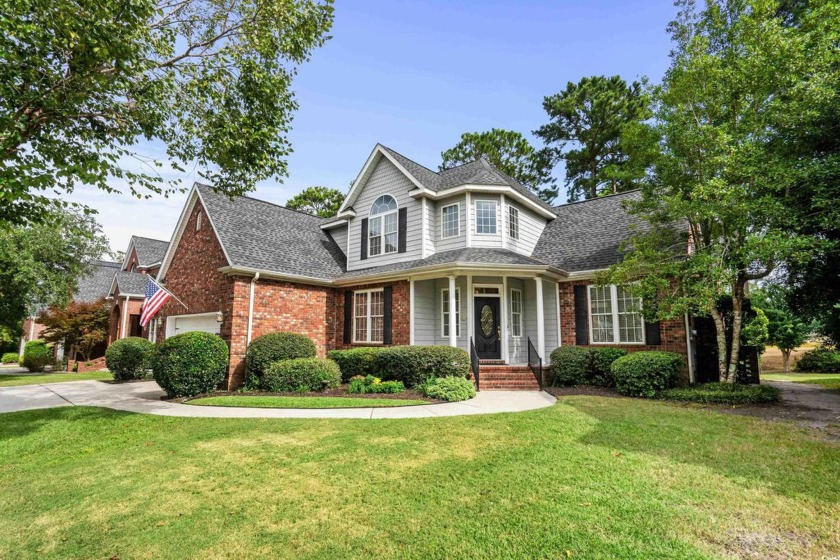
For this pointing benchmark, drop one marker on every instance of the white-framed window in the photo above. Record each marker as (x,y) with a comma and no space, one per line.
(368,316)
(450,221)
(513,222)
(615,316)
(382,226)
(516,312)
(485,217)
(153,326)
(444,308)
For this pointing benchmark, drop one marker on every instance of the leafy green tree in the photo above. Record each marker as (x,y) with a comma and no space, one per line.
(586,123)
(79,325)
(318,201)
(40,264)
(82,81)
(719,203)
(785,330)
(509,151)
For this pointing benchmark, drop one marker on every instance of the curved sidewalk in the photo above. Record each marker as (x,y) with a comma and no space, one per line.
(144,397)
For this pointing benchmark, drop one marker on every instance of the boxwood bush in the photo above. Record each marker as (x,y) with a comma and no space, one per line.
(371,384)
(10,358)
(190,364)
(644,374)
(415,364)
(36,355)
(355,361)
(129,358)
(724,393)
(570,365)
(450,389)
(819,360)
(274,347)
(301,375)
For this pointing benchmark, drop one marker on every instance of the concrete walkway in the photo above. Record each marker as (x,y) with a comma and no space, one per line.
(144,397)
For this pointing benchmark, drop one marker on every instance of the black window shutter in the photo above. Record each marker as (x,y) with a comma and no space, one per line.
(581,316)
(652,334)
(364,238)
(348,315)
(403,228)
(387,319)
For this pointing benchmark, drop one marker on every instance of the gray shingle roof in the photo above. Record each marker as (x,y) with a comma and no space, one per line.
(149,251)
(133,283)
(471,255)
(265,236)
(587,235)
(97,282)
(480,172)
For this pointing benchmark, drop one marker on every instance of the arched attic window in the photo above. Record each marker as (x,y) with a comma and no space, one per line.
(383,227)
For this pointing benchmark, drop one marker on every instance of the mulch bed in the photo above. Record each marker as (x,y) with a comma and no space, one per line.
(340,391)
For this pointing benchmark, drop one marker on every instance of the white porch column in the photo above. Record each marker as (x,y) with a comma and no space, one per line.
(125,319)
(411,304)
(468,219)
(470,309)
(540,318)
(453,314)
(504,312)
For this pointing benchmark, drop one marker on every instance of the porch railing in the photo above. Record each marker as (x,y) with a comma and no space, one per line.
(535,363)
(474,364)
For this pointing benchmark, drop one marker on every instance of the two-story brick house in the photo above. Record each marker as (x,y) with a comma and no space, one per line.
(463,257)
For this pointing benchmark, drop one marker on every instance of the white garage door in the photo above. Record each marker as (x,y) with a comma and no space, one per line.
(206,322)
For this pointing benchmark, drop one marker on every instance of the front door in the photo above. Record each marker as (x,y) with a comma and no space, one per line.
(487,328)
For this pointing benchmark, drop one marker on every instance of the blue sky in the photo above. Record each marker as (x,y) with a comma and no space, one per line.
(414,75)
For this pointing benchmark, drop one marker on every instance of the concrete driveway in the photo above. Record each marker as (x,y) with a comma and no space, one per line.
(145,397)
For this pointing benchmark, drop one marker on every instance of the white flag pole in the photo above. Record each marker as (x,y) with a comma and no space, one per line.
(168,292)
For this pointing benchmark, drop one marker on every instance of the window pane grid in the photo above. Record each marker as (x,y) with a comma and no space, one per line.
(485,217)
(444,301)
(513,220)
(382,226)
(450,221)
(615,315)
(360,316)
(630,324)
(516,312)
(600,300)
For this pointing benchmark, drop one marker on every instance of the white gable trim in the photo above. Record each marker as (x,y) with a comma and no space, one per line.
(127,253)
(195,195)
(362,179)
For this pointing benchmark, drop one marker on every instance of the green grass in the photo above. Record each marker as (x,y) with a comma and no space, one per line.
(827,380)
(723,393)
(301,402)
(11,380)
(597,477)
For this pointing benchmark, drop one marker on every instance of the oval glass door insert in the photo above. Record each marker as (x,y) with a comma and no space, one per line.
(487,320)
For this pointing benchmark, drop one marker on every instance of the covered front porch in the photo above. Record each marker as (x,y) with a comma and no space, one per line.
(498,311)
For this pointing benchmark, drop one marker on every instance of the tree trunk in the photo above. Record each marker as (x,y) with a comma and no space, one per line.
(720,331)
(786,360)
(737,319)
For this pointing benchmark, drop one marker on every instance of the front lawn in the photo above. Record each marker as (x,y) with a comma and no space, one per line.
(590,477)
(301,402)
(13,380)
(827,380)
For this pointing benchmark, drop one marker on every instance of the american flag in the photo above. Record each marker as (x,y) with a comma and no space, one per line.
(155,298)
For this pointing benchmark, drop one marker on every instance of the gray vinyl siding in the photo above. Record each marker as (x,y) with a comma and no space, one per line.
(531,227)
(486,240)
(449,243)
(430,226)
(339,235)
(386,179)
(425,327)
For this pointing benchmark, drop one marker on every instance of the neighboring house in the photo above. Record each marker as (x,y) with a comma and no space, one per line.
(413,257)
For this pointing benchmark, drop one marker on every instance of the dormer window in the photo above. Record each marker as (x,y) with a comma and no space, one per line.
(382,230)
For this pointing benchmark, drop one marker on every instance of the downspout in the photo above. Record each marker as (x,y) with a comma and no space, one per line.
(125,318)
(251,308)
(690,347)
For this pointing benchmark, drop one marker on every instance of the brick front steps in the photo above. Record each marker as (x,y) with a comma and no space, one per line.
(494,377)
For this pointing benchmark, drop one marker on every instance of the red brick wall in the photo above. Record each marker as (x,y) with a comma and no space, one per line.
(132,260)
(401,308)
(672,332)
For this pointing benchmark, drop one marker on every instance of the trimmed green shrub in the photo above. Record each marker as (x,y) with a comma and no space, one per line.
(301,375)
(570,365)
(724,393)
(129,358)
(819,360)
(371,384)
(190,364)
(644,374)
(274,347)
(10,358)
(355,361)
(600,372)
(414,364)
(450,389)
(36,355)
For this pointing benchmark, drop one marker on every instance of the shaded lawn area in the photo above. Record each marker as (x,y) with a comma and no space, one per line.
(12,380)
(827,380)
(301,402)
(590,477)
